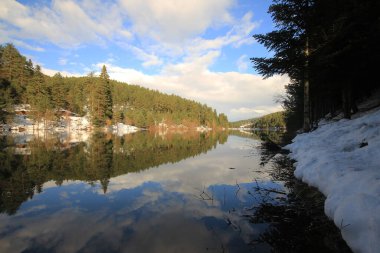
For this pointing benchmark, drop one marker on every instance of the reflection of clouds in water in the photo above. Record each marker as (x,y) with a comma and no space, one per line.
(155,210)
(53,184)
(62,231)
(155,221)
(148,197)
(195,173)
(243,143)
(164,234)
(64,195)
(31,210)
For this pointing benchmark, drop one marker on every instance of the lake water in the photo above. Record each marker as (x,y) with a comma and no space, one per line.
(144,192)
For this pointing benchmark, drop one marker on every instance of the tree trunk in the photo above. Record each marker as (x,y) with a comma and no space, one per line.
(347,101)
(306,91)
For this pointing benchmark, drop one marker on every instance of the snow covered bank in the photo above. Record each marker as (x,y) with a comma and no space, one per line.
(342,159)
(76,123)
(121,129)
(72,125)
(203,129)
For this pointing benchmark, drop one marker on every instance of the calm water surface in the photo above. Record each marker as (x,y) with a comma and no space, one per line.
(136,193)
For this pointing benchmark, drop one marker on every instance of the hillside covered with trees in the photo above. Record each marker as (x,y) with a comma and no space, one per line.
(329,50)
(106,101)
(272,120)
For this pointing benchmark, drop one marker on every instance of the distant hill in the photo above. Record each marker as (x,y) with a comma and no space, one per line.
(105,101)
(275,119)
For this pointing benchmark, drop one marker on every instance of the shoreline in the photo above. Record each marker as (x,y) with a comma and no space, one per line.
(342,160)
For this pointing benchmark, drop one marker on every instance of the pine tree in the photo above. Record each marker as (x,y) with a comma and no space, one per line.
(106,86)
(58,92)
(6,99)
(38,94)
(101,99)
(291,46)
(329,49)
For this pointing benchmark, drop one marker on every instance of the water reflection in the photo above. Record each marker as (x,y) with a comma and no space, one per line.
(137,193)
(27,163)
(144,192)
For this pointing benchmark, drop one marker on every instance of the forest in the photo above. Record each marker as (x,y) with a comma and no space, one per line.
(106,101)
(272,120)
(329,49)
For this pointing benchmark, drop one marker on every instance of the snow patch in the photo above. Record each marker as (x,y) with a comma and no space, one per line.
(121,129)
(74,126)
(76,123)
(203,129)
(342,159)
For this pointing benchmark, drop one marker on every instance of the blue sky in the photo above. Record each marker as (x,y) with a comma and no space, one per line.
(197,49)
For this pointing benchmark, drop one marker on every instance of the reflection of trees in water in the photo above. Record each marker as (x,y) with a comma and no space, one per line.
(297,221)
(270,142)
(103,157)
(260,135)
(99,159)
(296,218)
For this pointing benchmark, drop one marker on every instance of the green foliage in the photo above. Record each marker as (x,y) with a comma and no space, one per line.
(269,121)
(105,100)
(100,105)
(147,108)
(6,99)
(331,45)
(272,120)
(58,90)
(15,73)
(16,70)
(38,92)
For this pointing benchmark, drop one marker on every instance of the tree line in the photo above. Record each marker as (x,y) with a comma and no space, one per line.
(329,49)
(272,120)
(106,101)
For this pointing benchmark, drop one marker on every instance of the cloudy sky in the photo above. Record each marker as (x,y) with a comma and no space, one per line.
(197,49)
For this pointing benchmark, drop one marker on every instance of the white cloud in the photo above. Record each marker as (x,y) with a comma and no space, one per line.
(238,35)
(242,63)
(224,91)
(70,23)
(168,34)
(175,21)
(64,23)
(244,28)
(196,49)
(62,61)
(148,59)
(52,72)
(24,45)
(168,29)
(256,111)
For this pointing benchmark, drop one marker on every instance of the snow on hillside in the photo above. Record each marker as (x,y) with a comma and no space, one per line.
(72,125)
(77,123)
(342,159)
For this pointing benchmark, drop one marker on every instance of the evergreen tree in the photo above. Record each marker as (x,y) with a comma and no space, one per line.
(15,70)
(329,50)
(101,99)
(291,46)
(6,99)
(38,93)
(223,120)
(58,92)
(106,86)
